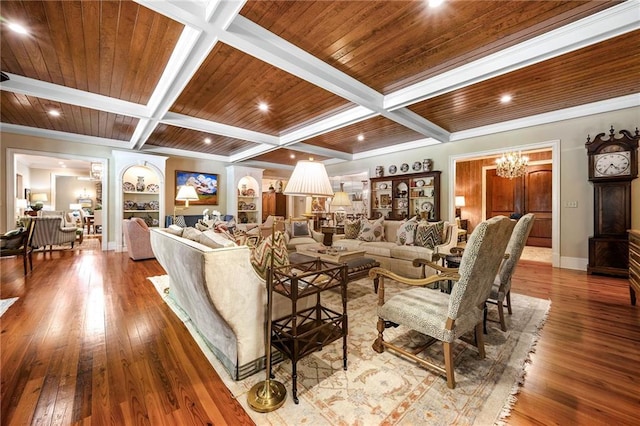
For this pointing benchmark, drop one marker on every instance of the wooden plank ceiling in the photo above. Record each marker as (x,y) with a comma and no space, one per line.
(160,77)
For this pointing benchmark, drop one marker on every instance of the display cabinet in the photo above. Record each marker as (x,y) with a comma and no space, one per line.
(141,195)
(244,197)
(399,197)
(308,330)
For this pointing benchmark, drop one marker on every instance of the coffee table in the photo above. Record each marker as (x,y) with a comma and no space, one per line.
(330,254)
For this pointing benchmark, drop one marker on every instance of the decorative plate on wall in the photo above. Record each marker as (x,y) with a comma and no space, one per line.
(128,186)
(393,169)
(250,192)
(129,205)
(419,183)
(152,187)
(404,167)
(417,166)
(383,186)
(427,206)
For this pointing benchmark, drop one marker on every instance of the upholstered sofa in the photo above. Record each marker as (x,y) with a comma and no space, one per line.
(224,297)
(399,258)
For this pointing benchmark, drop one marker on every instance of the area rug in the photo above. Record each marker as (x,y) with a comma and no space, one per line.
(5,304)
(385,389)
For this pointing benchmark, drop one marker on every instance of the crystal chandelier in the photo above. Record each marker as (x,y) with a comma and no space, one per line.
(511,165)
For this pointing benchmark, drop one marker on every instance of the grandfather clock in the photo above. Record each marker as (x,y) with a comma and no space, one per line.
(613,164)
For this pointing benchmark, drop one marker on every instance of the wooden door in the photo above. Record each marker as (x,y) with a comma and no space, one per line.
(528,194)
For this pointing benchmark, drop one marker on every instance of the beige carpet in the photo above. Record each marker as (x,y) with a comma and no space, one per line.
(386,389)
(6,303)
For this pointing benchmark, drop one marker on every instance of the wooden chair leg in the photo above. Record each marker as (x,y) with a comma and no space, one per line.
(480,340)
(377,344)
(448,364)
(503,325)
(509,302)
(24,262)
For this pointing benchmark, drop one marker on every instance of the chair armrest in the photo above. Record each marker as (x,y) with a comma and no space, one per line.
(378,275)
(318,236)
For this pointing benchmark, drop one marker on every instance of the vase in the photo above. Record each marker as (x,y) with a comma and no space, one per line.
(140,184)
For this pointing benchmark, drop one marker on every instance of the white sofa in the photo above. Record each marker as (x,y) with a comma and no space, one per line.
(225,299)
(399,258)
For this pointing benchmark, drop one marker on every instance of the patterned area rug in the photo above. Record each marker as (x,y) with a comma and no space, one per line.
(387,389)
(5,304)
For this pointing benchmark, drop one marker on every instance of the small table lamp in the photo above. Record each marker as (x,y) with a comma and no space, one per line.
(459,202)
(341,200)
(186,193)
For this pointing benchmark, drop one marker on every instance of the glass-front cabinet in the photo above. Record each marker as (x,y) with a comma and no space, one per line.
(400,197)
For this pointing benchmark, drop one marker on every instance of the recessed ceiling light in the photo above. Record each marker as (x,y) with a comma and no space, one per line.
(360,138)
(435,3)
(64,166)
(54,113)
(263,106)
(292,156)
(18,28)
(505,99)
(207,140)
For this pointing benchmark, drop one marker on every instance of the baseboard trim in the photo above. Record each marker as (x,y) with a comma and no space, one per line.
(577,263)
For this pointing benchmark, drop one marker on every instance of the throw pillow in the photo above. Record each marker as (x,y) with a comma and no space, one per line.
(429,234)
(175,230)
(180,222)
(407,232)
(191,234)
(244,238)
(371,231)
(267,249)
(14,243)
(351,229)
(298,228)
(214,239)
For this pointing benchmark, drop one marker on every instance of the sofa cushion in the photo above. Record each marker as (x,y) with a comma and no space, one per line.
(351,228)
(407,232)
(378,248)
(294,242)
(429,234)
(214,239)
(371,231)
(349,244)
(411,252)
(261,255)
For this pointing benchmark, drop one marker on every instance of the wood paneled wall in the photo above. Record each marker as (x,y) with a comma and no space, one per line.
(469,184)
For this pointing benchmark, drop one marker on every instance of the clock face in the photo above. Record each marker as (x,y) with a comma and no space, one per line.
(612,164)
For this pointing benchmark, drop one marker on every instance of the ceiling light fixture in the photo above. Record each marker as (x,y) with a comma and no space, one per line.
(435,3)
(18,28)
(207,140)
(360,138)
(512,165)
(54,113)
(505,99)
(262,106)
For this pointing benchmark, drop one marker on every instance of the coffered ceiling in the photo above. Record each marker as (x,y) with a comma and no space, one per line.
(338,80)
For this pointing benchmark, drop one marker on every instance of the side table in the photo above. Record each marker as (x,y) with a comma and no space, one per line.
(308,330)
(328,232)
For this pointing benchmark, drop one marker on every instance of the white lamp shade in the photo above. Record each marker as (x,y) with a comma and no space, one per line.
(39,197)
(187,193)
(460,201)
(309,178)
(341,199)
(76,206)
(21,203)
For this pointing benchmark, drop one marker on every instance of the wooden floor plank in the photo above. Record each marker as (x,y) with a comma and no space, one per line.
(90,341)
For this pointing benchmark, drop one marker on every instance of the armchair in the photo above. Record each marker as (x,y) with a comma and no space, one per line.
(501,288)
(137,238)
(17,244)
(446,317)
(52,230)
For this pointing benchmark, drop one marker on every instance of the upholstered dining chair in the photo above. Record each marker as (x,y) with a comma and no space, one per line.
(18,244)
(501,289)
(439,315)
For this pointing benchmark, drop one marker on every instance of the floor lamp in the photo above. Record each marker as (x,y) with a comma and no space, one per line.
(309,178)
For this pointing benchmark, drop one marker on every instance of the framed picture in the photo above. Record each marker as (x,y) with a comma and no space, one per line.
(27,195)
(206,185)
(385,200)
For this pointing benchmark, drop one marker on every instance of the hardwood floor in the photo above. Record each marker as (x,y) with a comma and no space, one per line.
(90,341)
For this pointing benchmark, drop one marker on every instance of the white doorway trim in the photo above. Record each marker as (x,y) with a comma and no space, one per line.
(554,146)
(10,179)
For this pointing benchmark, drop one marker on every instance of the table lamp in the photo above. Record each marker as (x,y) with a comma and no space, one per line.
(186,193)
(459,202)
(38,200)
(341,200)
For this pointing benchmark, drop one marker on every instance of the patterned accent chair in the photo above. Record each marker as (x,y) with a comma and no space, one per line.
(501,288)
(17,244)
(52,230)
(137,238)
(439,315)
